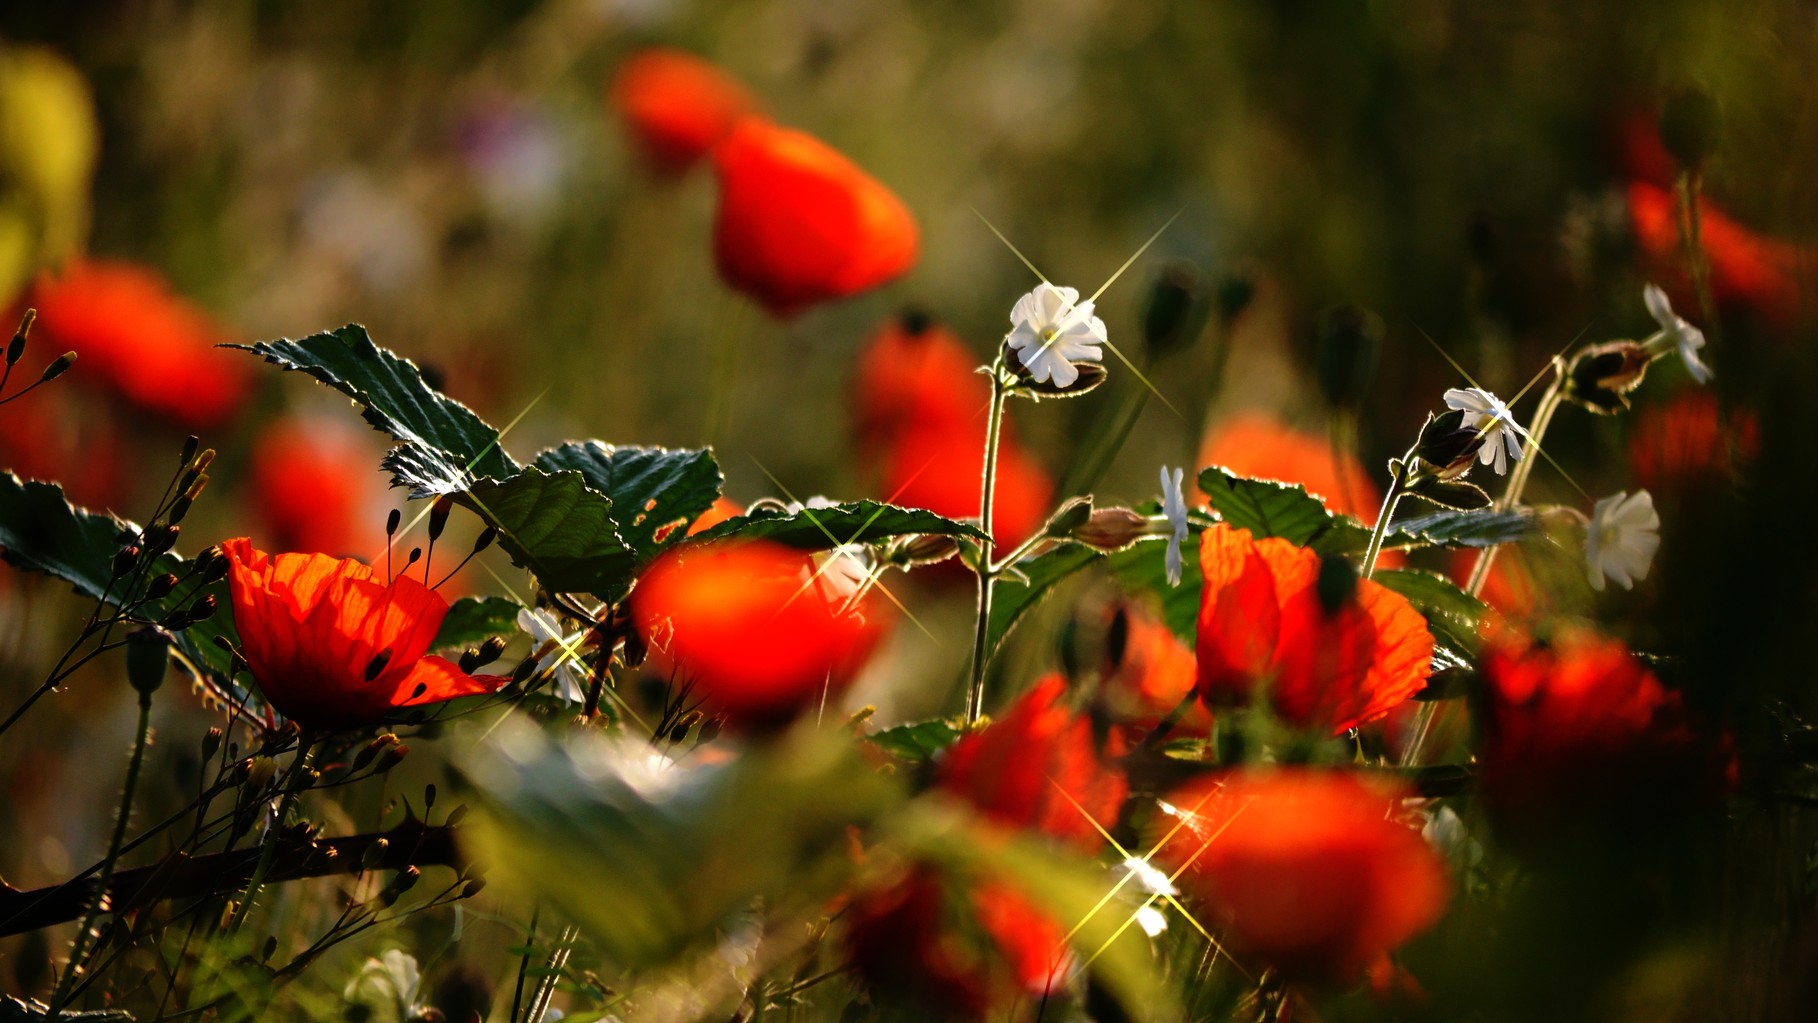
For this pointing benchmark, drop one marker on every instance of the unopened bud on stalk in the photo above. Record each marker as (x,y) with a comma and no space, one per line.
(1447,446)
(1600,377)
(1691,127)
(1072,514)
(16,347)
(201,610)
(1350,341)
(1112,529)
(921,549)
(124,560)
(1176,309)
(374,854)
(438,515)
(257,772)
(487,536)
(190,444)
(391,757)
(1235,294)
(161,538)
(58,367)
(372,749)
(211,741)
(147,659)
(160,587)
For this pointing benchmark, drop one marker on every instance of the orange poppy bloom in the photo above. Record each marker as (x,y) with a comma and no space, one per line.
(1262,621)
(753,628)
(914,375)
(723,508)
(677,106)
(799,223)
(1157,671)
(144,342)
(1747,269)
(1305,871)
(1257,445)
(314,483)
(1029,768)
(332,645)
(1582,707)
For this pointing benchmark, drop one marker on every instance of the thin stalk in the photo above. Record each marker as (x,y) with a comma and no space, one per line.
(1518,480)
(1389,501)
(141,739)
(1691,238)
(558,961)
(987,569)
(269,853)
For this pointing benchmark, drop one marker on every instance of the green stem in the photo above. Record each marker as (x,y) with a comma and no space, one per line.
(987,570)
(269,852)
(1691,237)
(141,739)
(1389,501)
(1518,480)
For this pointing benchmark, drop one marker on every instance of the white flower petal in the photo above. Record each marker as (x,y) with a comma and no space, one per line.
(1658,306)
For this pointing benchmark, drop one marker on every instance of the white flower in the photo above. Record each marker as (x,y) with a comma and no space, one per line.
(1053,330)
(386,987)
(1685,337)
(571,675)
(1174,506)
(1155,882)
(1621,538)
(1491,418)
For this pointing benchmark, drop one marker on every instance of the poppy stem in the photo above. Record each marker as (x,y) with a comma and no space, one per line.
(269,854)
(987,569)
(79,950)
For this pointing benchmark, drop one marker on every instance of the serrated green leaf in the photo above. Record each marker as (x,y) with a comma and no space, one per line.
(1027,584)
(559,528)
(1451,613)
(473,620)
(444,445)
(834,525)
(916,742)
(41,531)
(1460,529)
(655,492)
(1267,508)
(1143,568)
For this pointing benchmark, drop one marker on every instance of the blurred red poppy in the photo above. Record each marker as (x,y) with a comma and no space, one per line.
(753,628)
(1305,871)
(677,106)
(942,469)
(799,223)
(902,939)
(1037,768)
(914,375)
(141,340)
(722,509)
(48,436)
(316,485)
(332,645)
(1582,707)
(1748,270)
(1256,445)
(1690,442)
(1154,673)
(1263,622)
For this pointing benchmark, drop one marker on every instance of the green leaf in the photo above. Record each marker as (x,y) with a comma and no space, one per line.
(916,742)
(473,620)
(443,445)
(1031,579)
(832,526)
(1267,508)
(1142,567)
(1451,613)
(655,492)
(1461,529)
(560,529)
(41,531)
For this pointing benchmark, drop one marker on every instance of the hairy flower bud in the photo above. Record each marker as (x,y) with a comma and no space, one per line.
(147,659)
(58,368)
(1175,310)
(1111,529)
(1350,340)
(1600,377)
(1447,446)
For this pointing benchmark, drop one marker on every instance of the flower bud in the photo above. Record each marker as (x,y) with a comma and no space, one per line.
(921,549)
(391,757)
(211,741)
(1111,529)
(124,560)
(257,772)
(1601,376)
(159,539)
(1235,294)
(1176,309)
(472,888)
(1350,340)
(372,749)
(1072,514)
(1447,446)
(1691,128)
(374,854)
(190,444)
(58,368)
(201,610)
(147,659)
(161,586)
(438,515)
(16,347)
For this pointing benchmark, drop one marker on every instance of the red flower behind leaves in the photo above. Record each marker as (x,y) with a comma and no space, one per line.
(1690,443)
(942,469)
(753,628)
(1747,269)
(1263,622)
(677,106)
(314,484)
(143,341)
(912,376)
(1256,445)
(1030,767)
(902,940)
(332,645)
(799,223)
(1578,709)
(1305,871)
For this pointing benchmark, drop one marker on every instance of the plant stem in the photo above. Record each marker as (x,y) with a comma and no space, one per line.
(141,739)
(1389,501)
(305,747)
(1518,480)
(1691,238)
(987,570)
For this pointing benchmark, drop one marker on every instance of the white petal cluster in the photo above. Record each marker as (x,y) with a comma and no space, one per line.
(1621,538)
(1485,413)
(1051,330)
(1685,337)
(1174,506)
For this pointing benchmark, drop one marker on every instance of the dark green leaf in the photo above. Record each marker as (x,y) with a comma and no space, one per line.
(444,446)
(1460,529)
(42,532)
(1267,508)
(1142,567)
(473,620)
(1451,613)
(655,492)
(832,526)
(1454,494)
(1020,590)
(557,527)
(916,742)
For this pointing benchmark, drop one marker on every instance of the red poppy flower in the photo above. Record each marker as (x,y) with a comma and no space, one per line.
(1304,871)
(914,375)
(1582,707)
(1690,442)
(1029,768)
(144,342)
(1263,622)
(942,469)
(903,941)
(798,223)
(753,627)
(723,508)
(1156,672)
(48,436)
(331,644)
(677,105)
(1762,274)
(315,483)
(1256,445)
